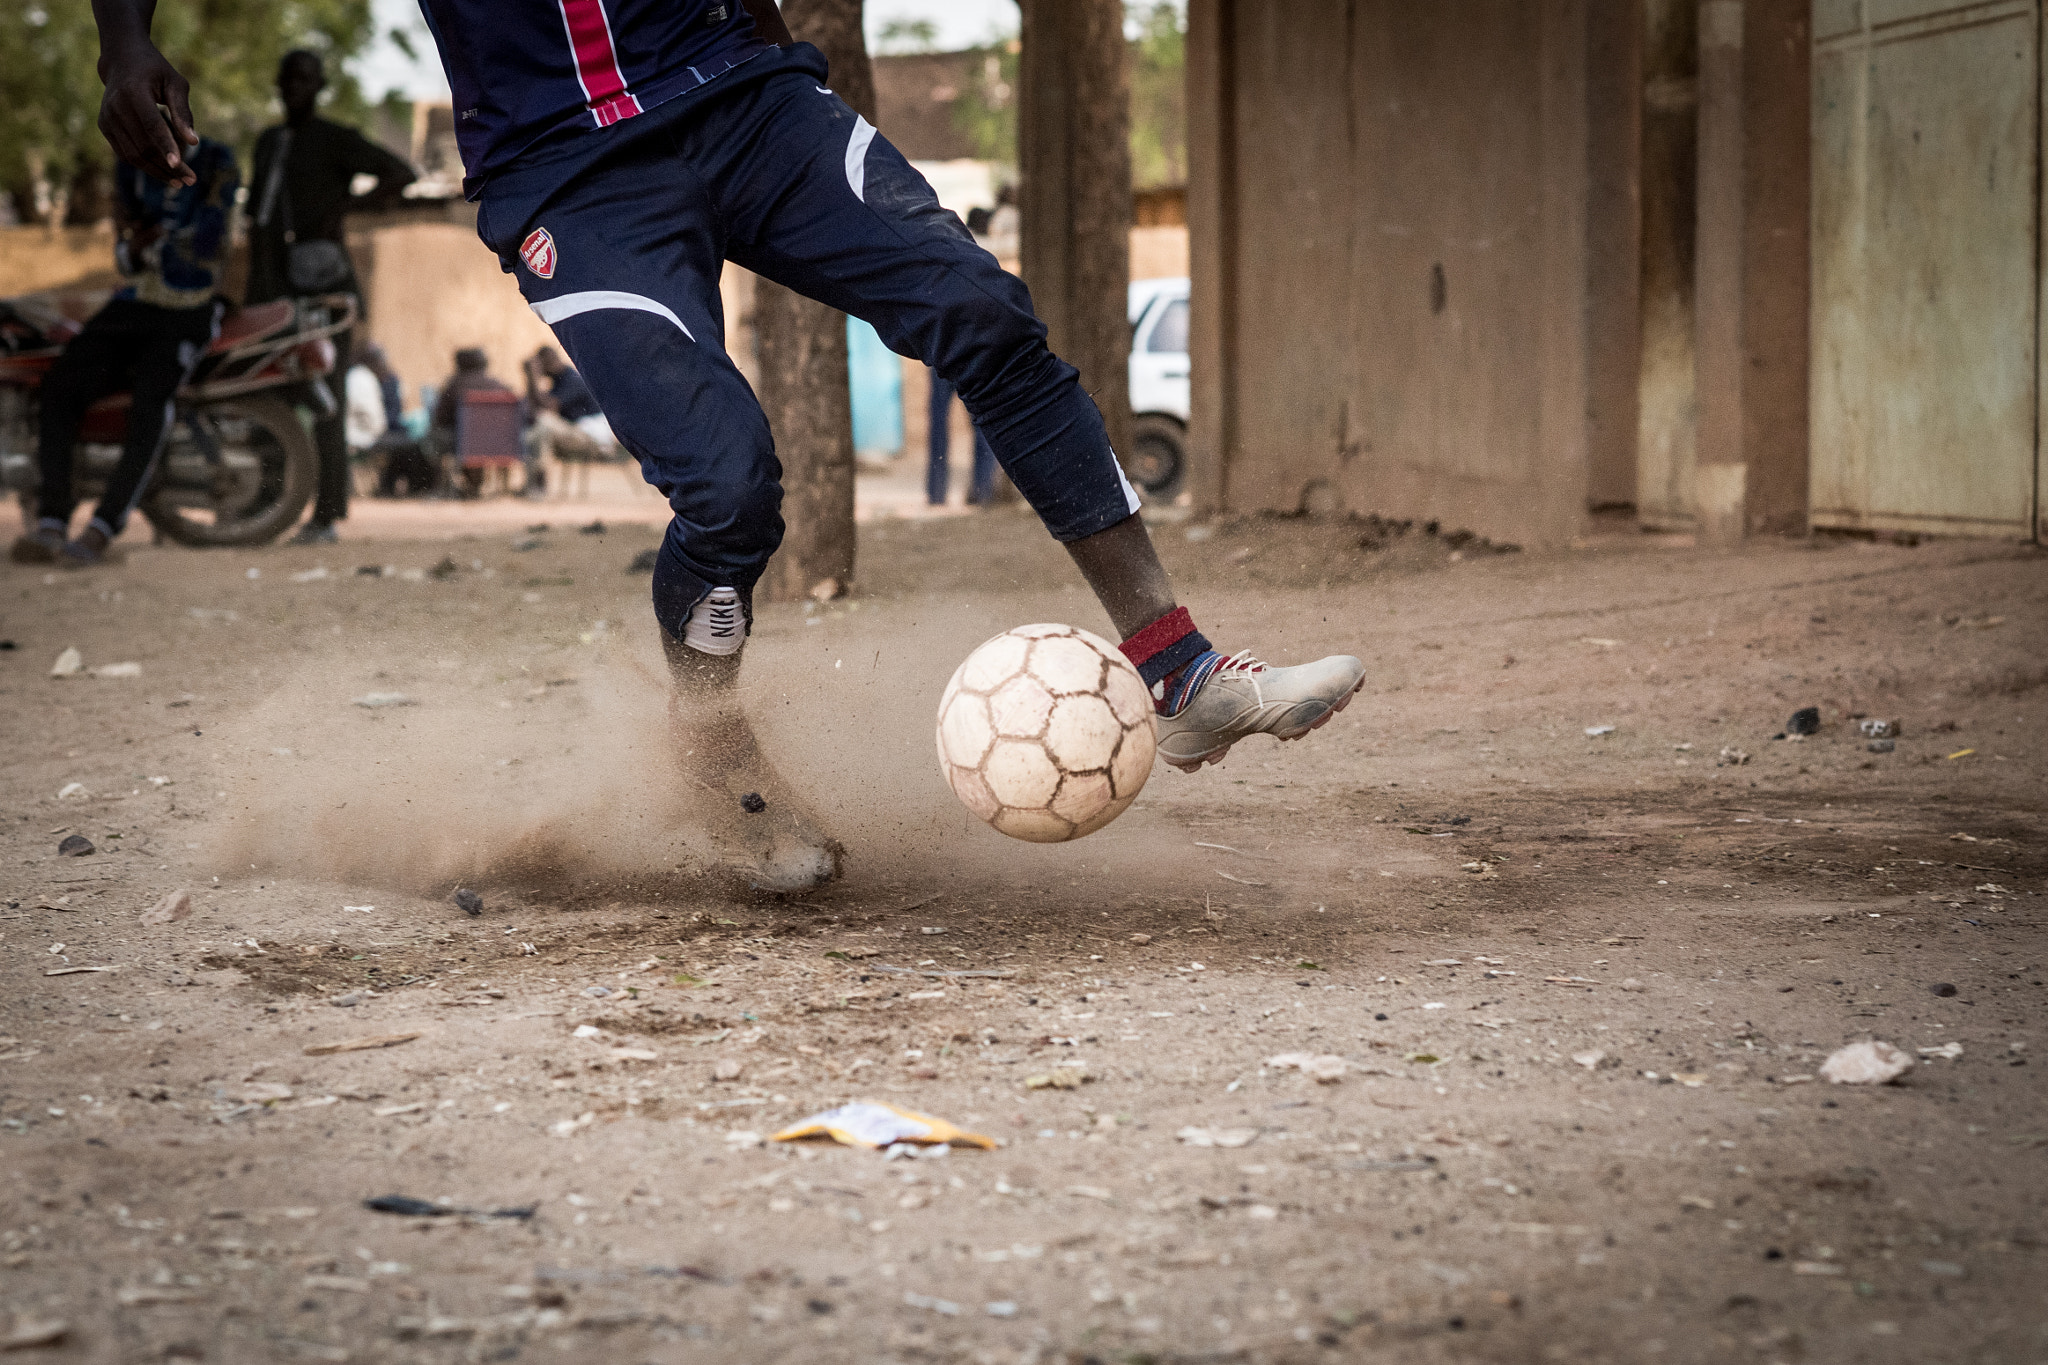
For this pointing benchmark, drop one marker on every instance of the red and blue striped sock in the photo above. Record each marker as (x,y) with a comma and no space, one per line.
(1173,658)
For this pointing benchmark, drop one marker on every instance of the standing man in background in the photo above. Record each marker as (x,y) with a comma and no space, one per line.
(299,195)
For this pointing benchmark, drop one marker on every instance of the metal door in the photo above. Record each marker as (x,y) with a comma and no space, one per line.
(1925,265)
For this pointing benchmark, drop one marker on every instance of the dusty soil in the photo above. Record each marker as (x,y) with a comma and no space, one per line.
(1583,983)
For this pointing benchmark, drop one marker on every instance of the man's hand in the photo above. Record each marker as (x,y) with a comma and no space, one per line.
(146,113)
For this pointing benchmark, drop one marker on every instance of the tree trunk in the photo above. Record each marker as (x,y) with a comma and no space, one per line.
(801,348)
(1074,155)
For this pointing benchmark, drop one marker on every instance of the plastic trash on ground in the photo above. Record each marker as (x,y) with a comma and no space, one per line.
(880,1125)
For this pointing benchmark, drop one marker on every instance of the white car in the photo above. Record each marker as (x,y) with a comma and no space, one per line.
(1159,385)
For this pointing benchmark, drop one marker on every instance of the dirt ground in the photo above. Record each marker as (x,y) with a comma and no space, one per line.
(1583,983)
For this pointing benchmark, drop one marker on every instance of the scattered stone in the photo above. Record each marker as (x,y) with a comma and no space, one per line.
(644,562)
(129,669)
(1141,939)
(1870,1063)
(1590,1060)
(405,1206)
(728,1069)
(1805,721)
(1632,985)
(1944,989)
(362,1044)
(1730,757)
(525,543)
(1879,729)
(1596,731)
(1323,1068)
(596,528)
(597,992)
(1946,1051)
(753,803)
(1062,1078)
(446,569)
(471,903)
(378,701)
(69,664)
(263,1092)
(73,791)
(75,846)
(30,1332)
(175,905)
(1218,1137)
(349,1001)
(1881,746)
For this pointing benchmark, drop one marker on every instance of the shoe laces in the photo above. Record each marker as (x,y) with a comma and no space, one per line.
(1197,674)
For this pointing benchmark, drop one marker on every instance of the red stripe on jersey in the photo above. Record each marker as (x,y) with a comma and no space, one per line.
(597,61)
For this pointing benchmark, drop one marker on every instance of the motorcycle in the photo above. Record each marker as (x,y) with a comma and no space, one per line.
(238,463)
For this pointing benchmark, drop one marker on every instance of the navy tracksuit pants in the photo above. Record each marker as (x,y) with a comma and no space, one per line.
(618,237)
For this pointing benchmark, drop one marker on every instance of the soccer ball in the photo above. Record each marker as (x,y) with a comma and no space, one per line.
(1046,732)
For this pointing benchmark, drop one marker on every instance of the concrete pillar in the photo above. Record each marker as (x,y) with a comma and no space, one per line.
(1614,220)
(1670,183)
(1074,159)
(1752,267)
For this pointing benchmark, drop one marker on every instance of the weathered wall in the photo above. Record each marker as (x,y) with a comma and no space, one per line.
(1926,267)
(1393,261)
(35,258)
(433,288)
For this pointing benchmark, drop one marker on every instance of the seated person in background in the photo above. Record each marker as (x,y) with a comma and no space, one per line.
(567,423)
(472,375)
(146,340)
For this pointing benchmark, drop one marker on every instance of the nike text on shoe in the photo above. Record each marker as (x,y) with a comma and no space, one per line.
(1230,698)
(716,624)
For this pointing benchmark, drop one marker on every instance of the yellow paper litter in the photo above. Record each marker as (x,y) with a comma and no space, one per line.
(880,1125)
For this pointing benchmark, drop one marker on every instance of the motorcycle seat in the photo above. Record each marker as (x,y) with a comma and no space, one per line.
(250,323)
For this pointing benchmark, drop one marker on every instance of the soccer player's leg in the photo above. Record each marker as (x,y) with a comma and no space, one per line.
(625,270)
(848,221)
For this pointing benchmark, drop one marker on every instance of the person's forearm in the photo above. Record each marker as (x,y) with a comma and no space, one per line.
(124,28)
(768,22)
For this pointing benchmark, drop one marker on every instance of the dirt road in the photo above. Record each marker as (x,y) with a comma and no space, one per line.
(1582,982)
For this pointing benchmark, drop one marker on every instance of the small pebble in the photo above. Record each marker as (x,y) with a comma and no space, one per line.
(469,900)
(753,803)
(1944,989)
(74,846)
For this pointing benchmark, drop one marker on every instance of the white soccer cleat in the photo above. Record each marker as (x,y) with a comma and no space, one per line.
(1241,696)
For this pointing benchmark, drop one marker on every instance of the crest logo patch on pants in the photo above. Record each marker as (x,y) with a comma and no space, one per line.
(538,251)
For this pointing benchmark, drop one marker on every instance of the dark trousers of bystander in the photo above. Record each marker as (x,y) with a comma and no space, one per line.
(330,439)
(938,445)
(139,347)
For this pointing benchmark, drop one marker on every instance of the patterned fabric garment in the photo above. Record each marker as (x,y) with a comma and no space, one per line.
(176,235)
(522,71)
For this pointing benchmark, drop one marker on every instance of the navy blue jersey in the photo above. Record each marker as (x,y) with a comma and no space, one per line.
(522,69)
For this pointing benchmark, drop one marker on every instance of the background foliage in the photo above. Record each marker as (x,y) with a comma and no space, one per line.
(51,151)
(1159,136)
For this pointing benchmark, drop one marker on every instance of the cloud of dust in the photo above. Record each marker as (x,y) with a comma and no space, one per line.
(562,780)
(550,780)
